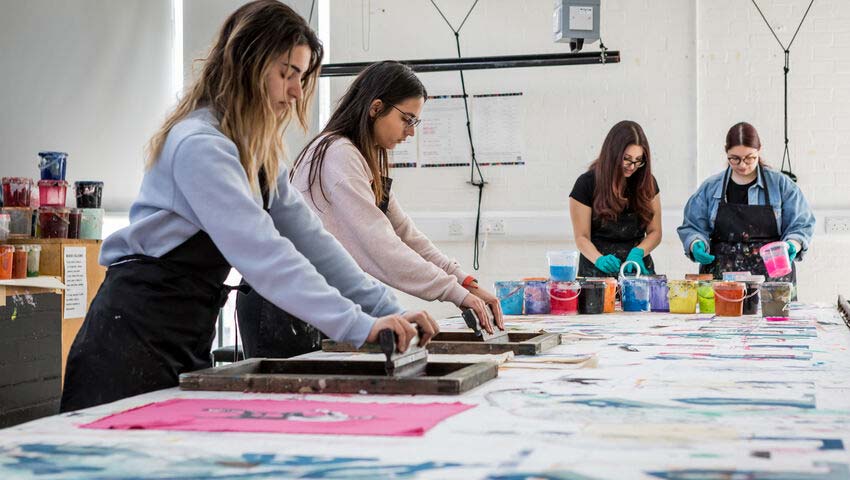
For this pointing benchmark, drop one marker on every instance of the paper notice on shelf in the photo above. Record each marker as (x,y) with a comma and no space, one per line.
(76,287)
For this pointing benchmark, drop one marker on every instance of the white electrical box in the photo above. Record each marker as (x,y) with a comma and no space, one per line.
(576,22)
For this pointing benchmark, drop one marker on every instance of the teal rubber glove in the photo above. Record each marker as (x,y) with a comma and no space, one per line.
(636,255)
(792,251)
(700,255)
(608,263)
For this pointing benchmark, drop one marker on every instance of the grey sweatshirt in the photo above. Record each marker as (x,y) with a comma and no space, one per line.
(287,256)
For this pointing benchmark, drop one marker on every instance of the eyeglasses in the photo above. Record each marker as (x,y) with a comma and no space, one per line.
(628,162)
(409,118)
(748,160)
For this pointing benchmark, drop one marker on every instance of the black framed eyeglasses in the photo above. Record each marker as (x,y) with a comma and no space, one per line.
(409,118)
(748,160)
(639,162)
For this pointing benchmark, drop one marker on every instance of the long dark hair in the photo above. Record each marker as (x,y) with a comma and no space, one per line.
(609,197)
(388,81)
(744,134)
(231,84)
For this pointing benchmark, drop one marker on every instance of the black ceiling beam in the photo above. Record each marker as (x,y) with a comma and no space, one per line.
(483,63)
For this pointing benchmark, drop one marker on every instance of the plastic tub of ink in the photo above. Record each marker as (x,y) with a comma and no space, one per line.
(20,221)
(19,262)
(776,299)
(699,277)
(52,193)
(16,191)
(536,296)
(705,295)
(91,223)
(53,222)
(563,297)
(611,287)
(5,225)
(33,260)
(729,298)
(776,259)
(753,296)
(563,265)
(7,258)
(89,194)
(658,293)
(52,165)
(510,295)
(682,295)
(635,290)
(735,276)
(591,299)
(75,217)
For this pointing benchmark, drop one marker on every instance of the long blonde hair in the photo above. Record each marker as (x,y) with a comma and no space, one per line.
(232,85)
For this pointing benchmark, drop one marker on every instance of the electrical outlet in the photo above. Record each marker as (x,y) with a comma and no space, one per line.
(495,226)
(455,229)
(838,225)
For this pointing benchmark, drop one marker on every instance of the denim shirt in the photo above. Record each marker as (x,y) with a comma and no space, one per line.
(794,218)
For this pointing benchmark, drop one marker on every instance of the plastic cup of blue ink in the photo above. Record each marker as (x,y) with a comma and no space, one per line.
(510,295)
(52,165)
(635,290)
(563,265)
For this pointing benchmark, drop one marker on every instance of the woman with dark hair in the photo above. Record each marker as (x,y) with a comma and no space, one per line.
(343,175)
(736,211)
(213,197)
(615,206)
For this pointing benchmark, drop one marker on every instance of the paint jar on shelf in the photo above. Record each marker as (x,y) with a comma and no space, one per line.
(20,221)
(52,165)
(510,295)
(52,193)
(705,295)
(33,260)
(5,225)
(776,259)
(611,287)
(635,290)
(776,299)
(563,265)
(536,296)
(19,262)
(591,299)
(658,293)
(7,257)
(91,223)
(752,298)
(729,298)
(16,191)
(682,295)
(563,297)
(75,217)
(88,194)
(53,222)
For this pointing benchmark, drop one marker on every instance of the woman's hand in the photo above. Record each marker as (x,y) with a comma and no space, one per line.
(404,326)
(480,308)
(491,301)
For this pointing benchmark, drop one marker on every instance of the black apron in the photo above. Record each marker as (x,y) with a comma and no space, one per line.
(270,332)
(151,320)
(614,238)
(739,232)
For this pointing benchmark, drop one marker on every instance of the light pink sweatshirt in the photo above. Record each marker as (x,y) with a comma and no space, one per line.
(388,247)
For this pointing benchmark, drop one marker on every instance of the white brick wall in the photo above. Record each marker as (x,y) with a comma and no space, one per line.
(690,70)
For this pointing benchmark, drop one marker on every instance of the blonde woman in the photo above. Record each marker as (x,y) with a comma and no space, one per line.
(214,196)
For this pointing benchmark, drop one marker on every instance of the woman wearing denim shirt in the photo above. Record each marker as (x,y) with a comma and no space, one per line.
(732,214)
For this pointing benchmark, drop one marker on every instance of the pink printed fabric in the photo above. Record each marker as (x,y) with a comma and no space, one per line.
(284,416)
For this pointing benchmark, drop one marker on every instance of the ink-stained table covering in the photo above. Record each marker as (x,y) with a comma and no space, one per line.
(628,396)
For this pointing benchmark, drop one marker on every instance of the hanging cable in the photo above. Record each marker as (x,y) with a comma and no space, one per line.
(787,154)
(312,6)
(474,168)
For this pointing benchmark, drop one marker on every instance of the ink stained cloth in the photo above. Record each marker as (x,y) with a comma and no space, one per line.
(284,416)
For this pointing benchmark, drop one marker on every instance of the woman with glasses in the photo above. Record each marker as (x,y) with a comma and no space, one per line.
(343,176)
(615,206)
(742,208)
